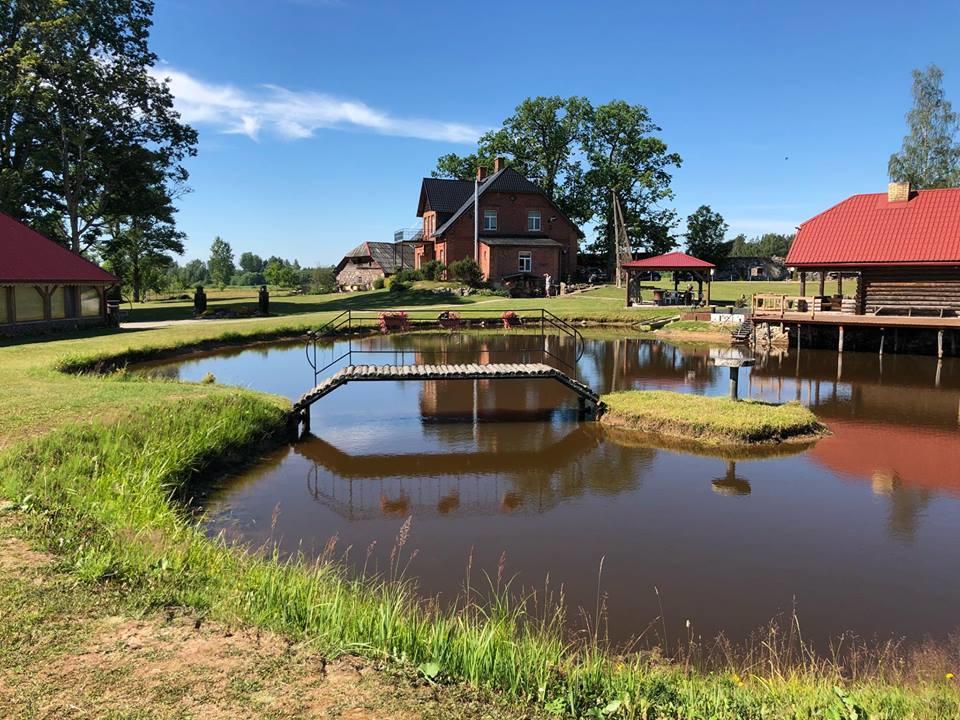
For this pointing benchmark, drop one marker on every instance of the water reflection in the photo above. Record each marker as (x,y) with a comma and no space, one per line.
(857,529)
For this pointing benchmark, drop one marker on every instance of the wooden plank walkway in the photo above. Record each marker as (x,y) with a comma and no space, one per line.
(499,371)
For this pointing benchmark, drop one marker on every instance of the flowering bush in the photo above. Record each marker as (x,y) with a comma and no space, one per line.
(393,321)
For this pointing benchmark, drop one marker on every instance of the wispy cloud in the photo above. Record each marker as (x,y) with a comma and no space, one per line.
(293,115)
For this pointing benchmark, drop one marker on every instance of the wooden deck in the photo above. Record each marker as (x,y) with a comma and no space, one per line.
(589,400)
(850,320)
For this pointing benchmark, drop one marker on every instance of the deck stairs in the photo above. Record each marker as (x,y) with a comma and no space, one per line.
(743,333)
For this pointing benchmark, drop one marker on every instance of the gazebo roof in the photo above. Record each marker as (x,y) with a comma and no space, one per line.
(670,261)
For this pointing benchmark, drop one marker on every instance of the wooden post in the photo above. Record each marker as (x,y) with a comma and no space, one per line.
(823,283)
(883,336)
(734,382)
(305,417)
(708,292)
(840,284)
(940,343)
(840,342)
(803,283)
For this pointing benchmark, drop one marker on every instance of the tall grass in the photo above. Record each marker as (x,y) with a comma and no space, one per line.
(109,498)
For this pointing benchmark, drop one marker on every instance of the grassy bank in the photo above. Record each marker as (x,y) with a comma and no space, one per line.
(605,303)
(714,420)
(99,466)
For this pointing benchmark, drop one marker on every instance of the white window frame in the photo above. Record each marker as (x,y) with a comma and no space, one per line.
(488,214)
(531,216)
(525,261)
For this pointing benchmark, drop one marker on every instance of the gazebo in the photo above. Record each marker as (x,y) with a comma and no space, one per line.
(675,262)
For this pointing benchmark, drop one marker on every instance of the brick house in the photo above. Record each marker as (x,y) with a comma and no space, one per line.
(370,261)
(523,235)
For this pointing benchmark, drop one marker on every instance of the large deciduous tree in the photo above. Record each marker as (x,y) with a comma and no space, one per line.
(139,253)
(579,155)
(221,265)
(706,230)
(87,134)
(930,156)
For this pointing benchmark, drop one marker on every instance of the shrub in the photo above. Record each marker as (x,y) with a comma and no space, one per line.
(399,286)
(407,275)
(379,283)
(434,270)
(485,292)
(467,271)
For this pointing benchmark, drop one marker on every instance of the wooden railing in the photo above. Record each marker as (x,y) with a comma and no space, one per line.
(778,305)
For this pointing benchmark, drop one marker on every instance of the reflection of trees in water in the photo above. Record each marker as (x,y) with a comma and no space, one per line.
(504,479)
(626,363)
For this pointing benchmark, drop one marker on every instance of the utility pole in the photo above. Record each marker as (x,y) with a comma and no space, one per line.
(476,219)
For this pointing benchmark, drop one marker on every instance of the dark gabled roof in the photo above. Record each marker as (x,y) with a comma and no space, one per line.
(28,256)
(519,241)
(389,257)
(443,195)
(507,180)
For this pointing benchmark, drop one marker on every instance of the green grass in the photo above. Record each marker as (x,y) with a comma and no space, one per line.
(709,419)
(605,303)
(100,465)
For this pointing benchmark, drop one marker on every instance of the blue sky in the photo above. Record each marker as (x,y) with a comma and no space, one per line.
(318,118)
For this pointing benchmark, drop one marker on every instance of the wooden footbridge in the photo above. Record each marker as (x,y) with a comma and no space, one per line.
(589,402)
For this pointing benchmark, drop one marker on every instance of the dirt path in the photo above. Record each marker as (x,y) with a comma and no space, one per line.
(73,650)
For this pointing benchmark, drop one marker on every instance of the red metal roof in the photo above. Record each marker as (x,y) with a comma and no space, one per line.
(869,229)
(670,261)
(28,256)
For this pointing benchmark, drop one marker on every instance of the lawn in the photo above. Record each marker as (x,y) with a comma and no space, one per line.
(604,303)
(96,465)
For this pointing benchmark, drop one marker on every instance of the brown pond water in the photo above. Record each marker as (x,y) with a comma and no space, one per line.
(859,533)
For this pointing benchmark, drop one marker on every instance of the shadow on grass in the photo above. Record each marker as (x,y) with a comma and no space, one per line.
(58,336)
(286,306)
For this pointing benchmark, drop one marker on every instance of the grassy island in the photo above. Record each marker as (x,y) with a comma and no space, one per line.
(710,420)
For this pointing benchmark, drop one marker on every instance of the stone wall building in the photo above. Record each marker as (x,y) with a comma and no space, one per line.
(370,261)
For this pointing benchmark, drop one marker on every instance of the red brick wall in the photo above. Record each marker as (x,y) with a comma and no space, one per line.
(505,260)
(512,221)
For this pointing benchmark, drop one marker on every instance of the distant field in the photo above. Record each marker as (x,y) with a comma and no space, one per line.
(604,303)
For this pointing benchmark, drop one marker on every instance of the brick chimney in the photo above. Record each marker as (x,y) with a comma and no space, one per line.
(898,192)
(499,164)
(481,173)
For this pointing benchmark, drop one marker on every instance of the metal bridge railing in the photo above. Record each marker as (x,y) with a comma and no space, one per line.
(370,319)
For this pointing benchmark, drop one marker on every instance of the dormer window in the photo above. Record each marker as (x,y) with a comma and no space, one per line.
(489,219)
(533,221)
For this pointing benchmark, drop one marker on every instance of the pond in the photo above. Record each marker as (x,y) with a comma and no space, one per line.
(857,533)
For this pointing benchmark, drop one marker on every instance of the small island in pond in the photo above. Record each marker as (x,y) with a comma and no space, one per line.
(710,420)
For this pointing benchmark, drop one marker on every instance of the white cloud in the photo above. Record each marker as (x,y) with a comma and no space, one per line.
(292,115)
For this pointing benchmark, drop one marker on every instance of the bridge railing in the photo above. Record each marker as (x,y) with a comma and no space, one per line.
(423,318)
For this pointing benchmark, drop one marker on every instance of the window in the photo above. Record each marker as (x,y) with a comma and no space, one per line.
(489,219)
(89,301)
(4,306)
(58,304)
(533,221)
(29,303)
(526,261)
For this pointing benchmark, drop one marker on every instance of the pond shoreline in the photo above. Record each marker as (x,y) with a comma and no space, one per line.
(67,480)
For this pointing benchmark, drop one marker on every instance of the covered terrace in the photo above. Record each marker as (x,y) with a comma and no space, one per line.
(679,263)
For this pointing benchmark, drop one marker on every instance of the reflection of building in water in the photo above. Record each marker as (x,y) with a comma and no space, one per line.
(517,476)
